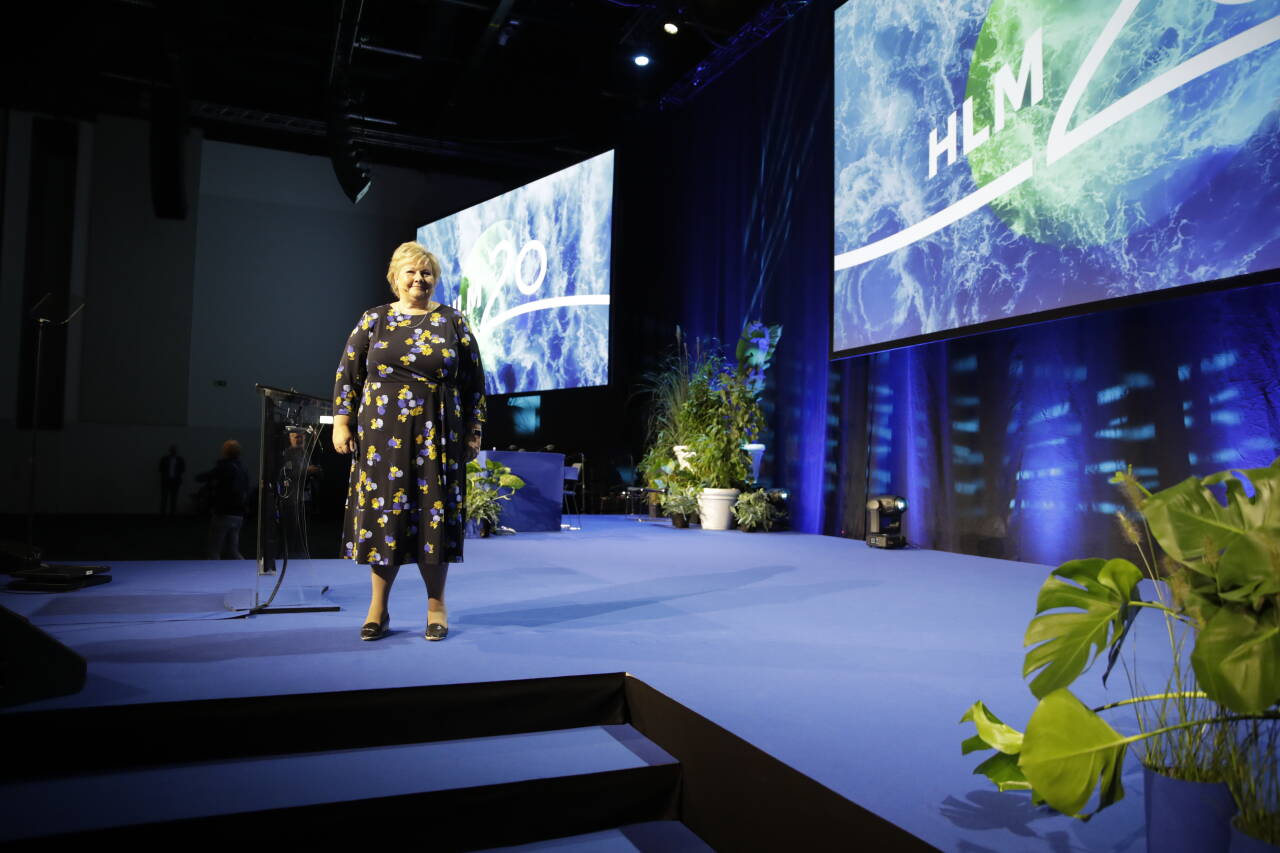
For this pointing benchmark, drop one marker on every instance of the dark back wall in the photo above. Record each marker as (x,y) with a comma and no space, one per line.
(1002,442)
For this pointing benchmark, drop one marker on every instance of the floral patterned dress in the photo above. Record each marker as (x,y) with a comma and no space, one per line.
(415,384)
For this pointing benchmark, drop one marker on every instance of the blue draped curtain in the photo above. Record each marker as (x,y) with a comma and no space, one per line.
(741,178)
(1004,443)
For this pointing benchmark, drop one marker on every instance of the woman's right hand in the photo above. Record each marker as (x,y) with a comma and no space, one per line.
(343,441)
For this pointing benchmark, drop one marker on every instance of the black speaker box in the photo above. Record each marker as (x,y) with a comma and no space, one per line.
(34,665)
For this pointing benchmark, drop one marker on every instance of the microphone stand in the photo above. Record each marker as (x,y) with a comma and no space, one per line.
(34,572)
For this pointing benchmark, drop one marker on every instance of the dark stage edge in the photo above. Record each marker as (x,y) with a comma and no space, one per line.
(726,791)
(658,836)
(849,667)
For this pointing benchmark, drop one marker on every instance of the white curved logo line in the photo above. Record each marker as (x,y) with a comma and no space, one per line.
(1061,140)
(544,304)
(954,212)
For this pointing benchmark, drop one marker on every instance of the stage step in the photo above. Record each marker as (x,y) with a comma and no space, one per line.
(657,836)
(456,767)
(499,790)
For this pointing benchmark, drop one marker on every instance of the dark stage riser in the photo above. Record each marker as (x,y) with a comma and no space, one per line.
(728,792)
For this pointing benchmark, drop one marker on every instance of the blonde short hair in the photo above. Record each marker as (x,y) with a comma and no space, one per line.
(405,253)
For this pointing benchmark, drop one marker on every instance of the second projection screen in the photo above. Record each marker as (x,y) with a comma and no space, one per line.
(530,270)
(1005,158)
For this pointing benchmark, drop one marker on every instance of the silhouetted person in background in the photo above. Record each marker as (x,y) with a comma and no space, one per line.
(172,467)
(229,486)
(295,507)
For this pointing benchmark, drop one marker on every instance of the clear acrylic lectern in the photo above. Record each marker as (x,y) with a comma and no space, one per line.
(287,579)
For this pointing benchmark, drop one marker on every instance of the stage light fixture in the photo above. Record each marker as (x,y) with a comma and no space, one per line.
(884,521)
(781,500)
(671,28)
(640,59)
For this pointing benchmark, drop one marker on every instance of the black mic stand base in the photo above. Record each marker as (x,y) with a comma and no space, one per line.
(31,573)
(54,581)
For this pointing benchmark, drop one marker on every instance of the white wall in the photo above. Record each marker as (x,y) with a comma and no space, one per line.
(260,284)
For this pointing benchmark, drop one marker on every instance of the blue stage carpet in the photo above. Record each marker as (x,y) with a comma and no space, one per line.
(851,665)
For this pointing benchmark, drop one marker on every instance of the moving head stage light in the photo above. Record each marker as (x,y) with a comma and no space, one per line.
(884,521)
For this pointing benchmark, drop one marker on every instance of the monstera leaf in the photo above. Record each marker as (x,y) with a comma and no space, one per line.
(1002,768)
(992,732)
(1003,771)
(1234,551)
(1190,524)
(1096,593)
(1249,571)
(1263,509)
(1068,751)
(1237,659)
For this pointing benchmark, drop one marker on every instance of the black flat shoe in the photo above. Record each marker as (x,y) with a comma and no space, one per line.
(376,630)
(436,631)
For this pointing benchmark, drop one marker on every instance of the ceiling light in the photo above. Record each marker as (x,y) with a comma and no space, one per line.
(640,59)
(671,28)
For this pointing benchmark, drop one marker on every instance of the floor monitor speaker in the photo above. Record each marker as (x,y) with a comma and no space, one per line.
(33,665)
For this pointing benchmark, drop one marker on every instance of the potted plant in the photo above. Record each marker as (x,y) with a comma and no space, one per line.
(704,412)
(724,399)
(487,485)
(721,402)
(756,346)
(1218,591)
(754,511)
(680,504)
(669,424)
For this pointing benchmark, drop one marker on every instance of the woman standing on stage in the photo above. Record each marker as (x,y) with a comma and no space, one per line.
(411,377)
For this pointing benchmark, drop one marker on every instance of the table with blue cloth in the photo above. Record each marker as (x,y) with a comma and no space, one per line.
(537,506)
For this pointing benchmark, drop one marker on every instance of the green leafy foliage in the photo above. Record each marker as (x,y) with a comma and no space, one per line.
(680,501)
(487,486)
(1237,658)
(1194,528)
(670,422)
(1002,768)
(1228,577)
(1098,592)
(1224,572)
(1069,750)
(701,401)
(756,346)
(992,732)
(729,415)
(1003,771)
(754,511)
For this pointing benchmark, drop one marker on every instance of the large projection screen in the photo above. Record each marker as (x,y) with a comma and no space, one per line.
(530,270)
(997,162)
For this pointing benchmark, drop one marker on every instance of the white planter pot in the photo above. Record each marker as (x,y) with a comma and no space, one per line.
(715,508)
(757,453)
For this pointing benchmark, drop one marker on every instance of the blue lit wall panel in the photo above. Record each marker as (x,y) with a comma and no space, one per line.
(1036,420)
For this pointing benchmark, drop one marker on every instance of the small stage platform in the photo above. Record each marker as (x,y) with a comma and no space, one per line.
(849,665)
